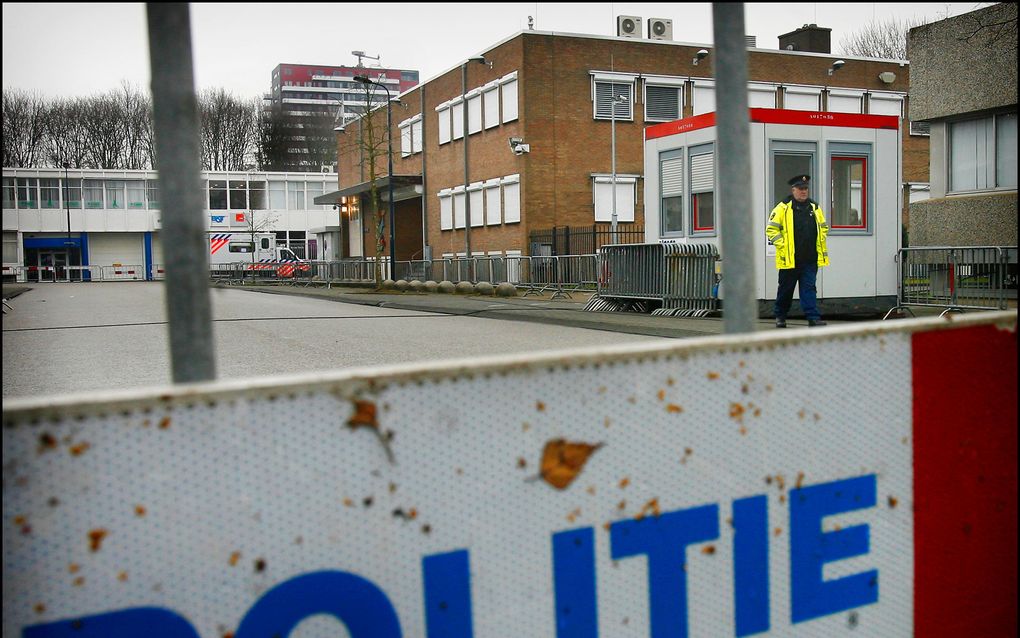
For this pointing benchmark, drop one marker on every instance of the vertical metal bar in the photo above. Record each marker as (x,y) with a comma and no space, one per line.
(736,222)
(175,115)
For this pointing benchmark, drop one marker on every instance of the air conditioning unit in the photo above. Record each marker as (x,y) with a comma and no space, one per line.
(660,28)
(628,26)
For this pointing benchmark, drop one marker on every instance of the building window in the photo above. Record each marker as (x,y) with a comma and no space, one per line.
(605,106)
(135,195)
(508,88)
(604,201)
(238,194)
(28,192)
(72,194)
(152,193)
(10,244)
(493,205)
(49,193)
(296,195)
(443,113)
(802,98)
(477,202)
(849,207)
(115,194)
(278,195)
(671,189)
(92,192)
(702,190)
(490,98)
(703,96)
(445,210)
(474,101)
(405,139)
(416,140)
(663,103)
(982,153)
(9,190)
(315,189)
(511,199)
(458,117)
(257,195)
(761,96)
(217,194)
(459,207)
(845,101)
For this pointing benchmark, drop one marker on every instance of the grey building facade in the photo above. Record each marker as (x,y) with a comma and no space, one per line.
(963,84)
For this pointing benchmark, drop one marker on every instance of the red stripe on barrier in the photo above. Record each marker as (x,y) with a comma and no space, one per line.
(965,483)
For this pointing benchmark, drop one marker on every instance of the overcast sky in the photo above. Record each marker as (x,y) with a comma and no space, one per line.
(82,49)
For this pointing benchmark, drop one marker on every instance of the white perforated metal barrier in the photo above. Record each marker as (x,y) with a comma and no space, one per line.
(718,487)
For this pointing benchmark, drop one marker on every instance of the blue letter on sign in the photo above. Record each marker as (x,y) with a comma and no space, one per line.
(574,579)
(447,595)
(664,539)
(152,622)
(358,603)
(751,564)
(811,548)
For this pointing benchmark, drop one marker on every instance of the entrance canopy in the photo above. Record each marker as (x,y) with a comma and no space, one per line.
(404,187)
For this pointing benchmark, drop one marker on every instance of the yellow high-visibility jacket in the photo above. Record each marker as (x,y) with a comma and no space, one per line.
(779,231)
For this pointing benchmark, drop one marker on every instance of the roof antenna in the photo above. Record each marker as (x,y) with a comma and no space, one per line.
(361,54)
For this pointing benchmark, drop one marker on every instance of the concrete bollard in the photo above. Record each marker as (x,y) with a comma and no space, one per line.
(506,289)
(485,288)
(465,288)
(446,287)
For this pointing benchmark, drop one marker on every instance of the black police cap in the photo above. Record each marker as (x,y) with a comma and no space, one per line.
(799,180)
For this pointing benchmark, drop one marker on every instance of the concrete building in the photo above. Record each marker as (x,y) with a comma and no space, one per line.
(963,85)
(113,217)
(301,92)
(550,96)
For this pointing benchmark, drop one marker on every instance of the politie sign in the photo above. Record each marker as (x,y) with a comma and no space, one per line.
(854,481)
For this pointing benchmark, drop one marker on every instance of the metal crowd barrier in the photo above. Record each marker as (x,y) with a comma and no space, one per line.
(679,277)
(957,278)
(132,272)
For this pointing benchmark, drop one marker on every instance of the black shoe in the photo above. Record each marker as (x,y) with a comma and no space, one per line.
(816,322)
(780,323)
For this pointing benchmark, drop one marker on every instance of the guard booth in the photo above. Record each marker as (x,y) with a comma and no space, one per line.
(854,162)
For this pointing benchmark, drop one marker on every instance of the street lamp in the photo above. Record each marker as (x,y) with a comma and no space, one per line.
(467,196)
(67,208)
(617,99)
(364,79)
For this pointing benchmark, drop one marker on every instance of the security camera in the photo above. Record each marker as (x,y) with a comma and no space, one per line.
(518,147)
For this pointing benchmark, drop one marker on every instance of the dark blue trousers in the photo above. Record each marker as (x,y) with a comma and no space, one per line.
(790,278)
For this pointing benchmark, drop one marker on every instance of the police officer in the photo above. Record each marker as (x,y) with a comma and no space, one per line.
(797,229)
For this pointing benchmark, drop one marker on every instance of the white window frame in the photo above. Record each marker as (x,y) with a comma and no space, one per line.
(405,138)
(990,152)
(493,203)
(474,106)
(508,96)
(800,90)
(606,77)
(457,114)
(666,82)
(701,150)
(761,89)
(490,104)
(885,97)
(416,139)
(625,208)
(445,131)
(842,95)
(446,209)
(700,90)
(477,199)
(511,198)
(459,208)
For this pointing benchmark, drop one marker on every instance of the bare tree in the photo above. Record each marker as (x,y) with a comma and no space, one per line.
(24,127)
(885,39)
(369,144)
(66,137)
(136,126)
(270,139)
(229,127)
(101,118)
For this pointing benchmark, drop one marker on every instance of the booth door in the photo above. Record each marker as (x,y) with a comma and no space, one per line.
(787,159)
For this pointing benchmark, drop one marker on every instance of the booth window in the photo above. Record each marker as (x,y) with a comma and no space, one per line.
(982,153)
(849,207)
(702,191)
(671,174)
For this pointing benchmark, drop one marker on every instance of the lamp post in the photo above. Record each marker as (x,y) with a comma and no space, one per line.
(67,208)
(467,196)
(364,79)
(617,99)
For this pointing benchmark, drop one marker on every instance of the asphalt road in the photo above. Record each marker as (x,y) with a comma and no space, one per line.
(70,338)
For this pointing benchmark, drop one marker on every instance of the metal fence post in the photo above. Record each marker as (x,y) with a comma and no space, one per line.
(175,116)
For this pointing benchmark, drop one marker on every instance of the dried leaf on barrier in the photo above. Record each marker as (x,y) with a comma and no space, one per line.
(96,537)
(562,461)
(365,416)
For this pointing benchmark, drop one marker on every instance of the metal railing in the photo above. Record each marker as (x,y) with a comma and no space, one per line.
(679,278)
(957,278)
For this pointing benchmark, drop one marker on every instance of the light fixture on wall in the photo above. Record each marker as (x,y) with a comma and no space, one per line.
(836,66)
(699,56)
(887,77)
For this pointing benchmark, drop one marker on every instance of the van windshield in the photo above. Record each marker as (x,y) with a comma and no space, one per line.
(286,254)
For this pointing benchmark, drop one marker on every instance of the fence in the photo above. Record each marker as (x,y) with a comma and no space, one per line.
(679,278)
(669,489)
(583,240)
(957,277)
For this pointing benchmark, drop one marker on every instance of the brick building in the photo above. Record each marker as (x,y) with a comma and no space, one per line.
(554,93)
